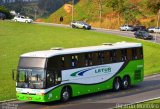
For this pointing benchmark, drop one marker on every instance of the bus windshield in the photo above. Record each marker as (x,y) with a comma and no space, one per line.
(31,78)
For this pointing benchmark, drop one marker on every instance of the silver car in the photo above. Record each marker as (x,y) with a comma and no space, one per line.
(126,28)
(154,29)
(80,24)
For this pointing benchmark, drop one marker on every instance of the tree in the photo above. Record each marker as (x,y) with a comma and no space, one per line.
(5,11)
(129,12)
(153,5)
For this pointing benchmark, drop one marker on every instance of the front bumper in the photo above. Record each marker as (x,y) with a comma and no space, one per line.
(27,97)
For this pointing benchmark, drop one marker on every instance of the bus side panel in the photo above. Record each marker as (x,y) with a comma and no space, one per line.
(135,69)
(86,89)
(131,69)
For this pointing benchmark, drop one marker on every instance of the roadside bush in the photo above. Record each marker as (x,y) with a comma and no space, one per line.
(6,12)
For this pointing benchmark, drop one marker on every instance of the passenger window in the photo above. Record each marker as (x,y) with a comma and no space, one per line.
(113,56)
(129,54)
(74,60)
(124,54)
(118,55)
(88,59)
(106,57)
(101,57)
(67,62)
(81,60)
(139,53)
(134,53)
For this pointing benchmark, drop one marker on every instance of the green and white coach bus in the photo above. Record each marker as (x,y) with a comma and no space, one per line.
(59,74)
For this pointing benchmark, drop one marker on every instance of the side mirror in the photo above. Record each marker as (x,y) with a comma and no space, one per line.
(13,76)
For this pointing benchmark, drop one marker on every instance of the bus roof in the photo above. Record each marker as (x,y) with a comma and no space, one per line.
(50,53)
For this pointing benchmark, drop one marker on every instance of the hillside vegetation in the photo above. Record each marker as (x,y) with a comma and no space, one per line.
(18,38)
(113,12)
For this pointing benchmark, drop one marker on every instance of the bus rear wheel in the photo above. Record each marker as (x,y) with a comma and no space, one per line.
(116,84)
(65,94)
(126,82)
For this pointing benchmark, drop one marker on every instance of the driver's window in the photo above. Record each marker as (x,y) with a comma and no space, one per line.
(53,78)
(50,79)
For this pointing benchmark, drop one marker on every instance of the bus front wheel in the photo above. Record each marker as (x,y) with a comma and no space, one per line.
(65,94)
(116,84)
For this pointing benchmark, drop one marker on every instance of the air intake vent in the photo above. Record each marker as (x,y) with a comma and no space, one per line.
(57,48)
(137,75)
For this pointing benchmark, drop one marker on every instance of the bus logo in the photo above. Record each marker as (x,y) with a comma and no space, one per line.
(96,70)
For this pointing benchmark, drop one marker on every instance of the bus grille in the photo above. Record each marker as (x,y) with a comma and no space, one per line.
(137,75)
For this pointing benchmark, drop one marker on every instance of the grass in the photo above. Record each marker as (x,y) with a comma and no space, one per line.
(19,38)
(153,104)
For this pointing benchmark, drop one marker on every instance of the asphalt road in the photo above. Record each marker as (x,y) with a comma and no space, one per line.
(148,89)
(130,34)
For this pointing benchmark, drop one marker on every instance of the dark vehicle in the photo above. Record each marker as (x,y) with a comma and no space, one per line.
(138,27)
(2,16)
(143,35)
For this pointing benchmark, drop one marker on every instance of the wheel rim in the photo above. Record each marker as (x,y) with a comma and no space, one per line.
(65,95)
(125,83)
(117,85)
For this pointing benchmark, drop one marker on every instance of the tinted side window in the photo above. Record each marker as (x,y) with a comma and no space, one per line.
(134,53)
(74,60)
(50,79)
(139,53)
(113,56)
(88,59)
(81,60)
(107,57)
(100,58)
(67,62)
(129,54)
(118,55)
(124,54)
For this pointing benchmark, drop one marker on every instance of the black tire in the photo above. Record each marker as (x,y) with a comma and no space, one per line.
(26,21)
(84,27)
(116,84)
(73,26)
(151,31)
(126,82)
(65,94)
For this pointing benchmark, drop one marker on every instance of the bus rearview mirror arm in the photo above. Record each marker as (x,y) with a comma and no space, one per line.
(13,70)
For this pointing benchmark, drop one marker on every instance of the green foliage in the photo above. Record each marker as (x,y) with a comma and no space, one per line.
(18,38)
(5,11)
(27,9)
(153,5)
(129,12)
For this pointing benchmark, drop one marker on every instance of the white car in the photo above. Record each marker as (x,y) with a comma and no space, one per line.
(22,19)
(80,24)
(126,28)
(154,30)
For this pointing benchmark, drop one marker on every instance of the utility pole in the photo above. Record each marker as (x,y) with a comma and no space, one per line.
(72,9)
(35,13)
(157,24)
(100,12)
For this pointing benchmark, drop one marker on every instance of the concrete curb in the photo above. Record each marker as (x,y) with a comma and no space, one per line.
(7,101)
